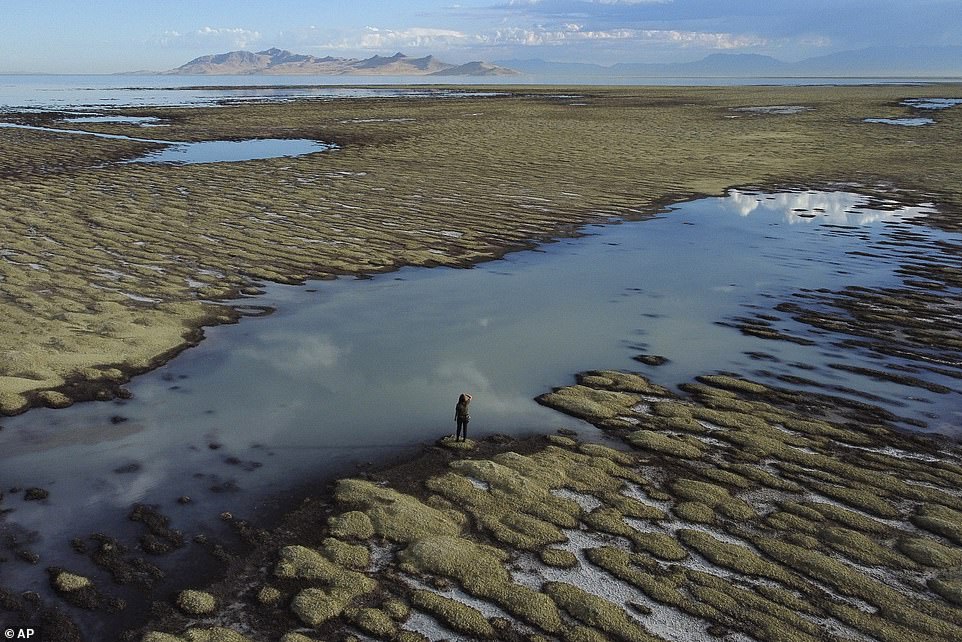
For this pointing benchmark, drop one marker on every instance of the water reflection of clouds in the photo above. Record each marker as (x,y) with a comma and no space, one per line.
(126,489)
(932,103)
(296,354)
(837,208)
(469,378)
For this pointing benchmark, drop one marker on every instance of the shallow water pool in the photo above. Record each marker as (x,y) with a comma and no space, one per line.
(123,120)
(907,122)
(352,370)
(207,151)
(233,151)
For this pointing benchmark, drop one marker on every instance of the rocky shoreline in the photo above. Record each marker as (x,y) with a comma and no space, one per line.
(737,509)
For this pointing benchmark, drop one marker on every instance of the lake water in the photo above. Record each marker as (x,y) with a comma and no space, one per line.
(355,369)
(66,92)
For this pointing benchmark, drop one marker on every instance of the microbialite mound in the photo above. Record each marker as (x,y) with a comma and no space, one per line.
(741,507)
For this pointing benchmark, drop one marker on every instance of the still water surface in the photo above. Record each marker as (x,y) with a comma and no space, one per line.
(208,151)
(353,369)
(18,92)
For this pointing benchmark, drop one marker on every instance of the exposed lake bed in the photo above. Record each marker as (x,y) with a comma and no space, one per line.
(830,240)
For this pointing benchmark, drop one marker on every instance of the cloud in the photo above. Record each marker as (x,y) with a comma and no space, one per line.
(572,32)
(206,37)
(375,38)
(540,35)
(578,33)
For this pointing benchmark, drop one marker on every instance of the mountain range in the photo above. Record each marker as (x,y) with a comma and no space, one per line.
(282,62)
(872,62)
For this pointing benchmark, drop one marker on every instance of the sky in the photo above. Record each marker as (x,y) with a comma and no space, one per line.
(108,36)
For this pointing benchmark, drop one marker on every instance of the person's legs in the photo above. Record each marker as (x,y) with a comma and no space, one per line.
(465,437)
(457,437)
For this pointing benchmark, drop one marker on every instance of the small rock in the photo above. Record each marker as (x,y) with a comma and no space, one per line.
(651,359)
(35,494)
(183,499)
(28,556)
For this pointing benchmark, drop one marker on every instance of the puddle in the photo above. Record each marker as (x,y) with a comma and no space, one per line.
(908,122)
(224,151)
(353,370)
(208,151)
(932,103)
(781,110)
(146,121)
(81,132)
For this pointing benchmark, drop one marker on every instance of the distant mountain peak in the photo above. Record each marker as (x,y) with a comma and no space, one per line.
(282,61)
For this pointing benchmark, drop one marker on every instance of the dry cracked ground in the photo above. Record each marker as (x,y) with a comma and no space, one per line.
(110,268)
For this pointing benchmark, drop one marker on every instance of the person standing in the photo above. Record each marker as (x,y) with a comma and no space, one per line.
(462,417)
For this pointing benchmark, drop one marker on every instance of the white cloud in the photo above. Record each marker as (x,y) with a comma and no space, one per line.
(569,33)
(229,37)
(375,38)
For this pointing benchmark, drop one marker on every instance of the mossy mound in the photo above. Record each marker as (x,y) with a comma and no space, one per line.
(455,615)
(375,622)
(452,443)
(68,582)
(197,603)
(351,525)
(660,443)
(558,557)
(597,612)
(269,596)
(354,556)
(393,515)
(216,634)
